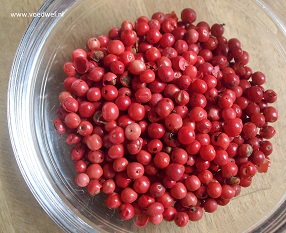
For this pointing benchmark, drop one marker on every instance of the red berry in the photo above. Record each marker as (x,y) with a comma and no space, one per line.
(186,135)
(175,171)
(82,180)
(188,15)
(115,47)
(181,219)
(135,170)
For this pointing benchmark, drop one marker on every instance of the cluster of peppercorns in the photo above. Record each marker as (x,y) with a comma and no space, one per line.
(165,118)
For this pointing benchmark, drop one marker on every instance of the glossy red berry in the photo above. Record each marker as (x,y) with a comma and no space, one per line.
(186,135)
(175,171)
(82,179)
(136,111)
(135,170)
(188,15)
(181,219)
(161,160)
(115,47)
(179,191)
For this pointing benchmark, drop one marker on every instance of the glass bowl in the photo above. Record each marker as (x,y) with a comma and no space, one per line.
(37,77)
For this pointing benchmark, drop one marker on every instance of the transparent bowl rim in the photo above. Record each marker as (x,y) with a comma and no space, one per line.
(45,193)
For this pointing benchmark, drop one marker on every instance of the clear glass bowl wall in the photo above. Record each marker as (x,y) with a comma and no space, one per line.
(37,78)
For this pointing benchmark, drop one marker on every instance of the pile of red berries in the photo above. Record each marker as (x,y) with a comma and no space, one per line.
(165,118)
